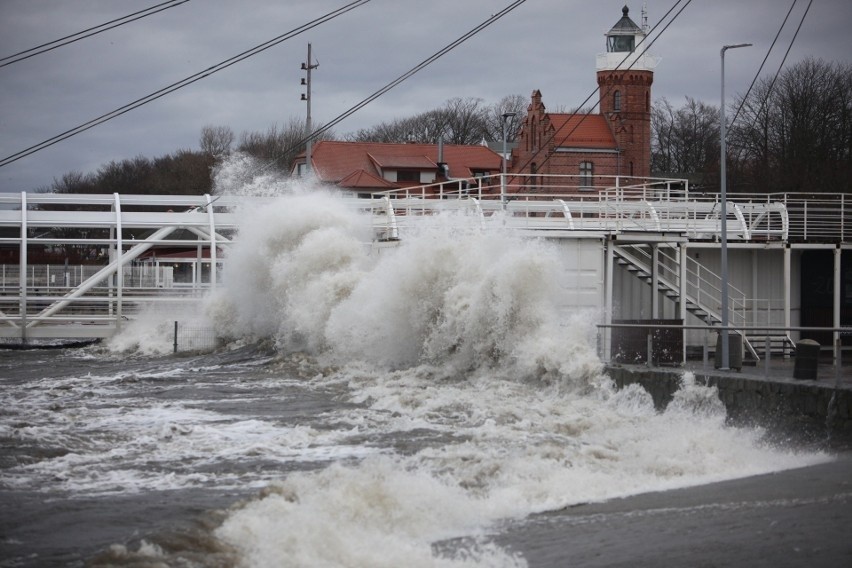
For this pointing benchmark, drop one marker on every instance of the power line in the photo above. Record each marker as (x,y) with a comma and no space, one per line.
(425,63)
(762,63)
(596,89)
(780,66)
(180,84)
(89,32)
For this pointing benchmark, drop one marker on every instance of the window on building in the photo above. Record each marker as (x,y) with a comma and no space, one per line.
(616,101)
(587,174)
(301,169)
(408,175)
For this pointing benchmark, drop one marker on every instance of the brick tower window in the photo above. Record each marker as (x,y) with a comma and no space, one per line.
(616,101)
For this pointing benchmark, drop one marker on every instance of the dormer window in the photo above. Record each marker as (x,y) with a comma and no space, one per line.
(408,175)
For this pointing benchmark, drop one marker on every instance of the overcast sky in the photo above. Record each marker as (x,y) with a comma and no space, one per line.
(548,45)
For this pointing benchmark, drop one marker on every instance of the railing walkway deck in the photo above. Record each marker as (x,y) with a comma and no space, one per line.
(113,235)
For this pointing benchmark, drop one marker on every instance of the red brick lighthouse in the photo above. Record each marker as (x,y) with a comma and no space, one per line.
(625,74)
(593,148)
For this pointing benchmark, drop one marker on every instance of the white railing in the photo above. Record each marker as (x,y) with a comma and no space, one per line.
(120,229)
(609,204)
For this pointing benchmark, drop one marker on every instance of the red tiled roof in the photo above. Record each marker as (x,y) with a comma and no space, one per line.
(394,162)
(361,179)
(582,131)
(337,161)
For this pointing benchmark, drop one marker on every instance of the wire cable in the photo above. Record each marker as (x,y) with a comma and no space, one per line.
(597,89)
(780,66)
(180,84)
(89,32)
(760,69)
(423,64)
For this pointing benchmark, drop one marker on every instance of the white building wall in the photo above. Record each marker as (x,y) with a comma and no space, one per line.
(582,278)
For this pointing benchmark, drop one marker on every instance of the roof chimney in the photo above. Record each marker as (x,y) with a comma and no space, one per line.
(443,168)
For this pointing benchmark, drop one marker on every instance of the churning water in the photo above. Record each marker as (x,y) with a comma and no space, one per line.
(369,408)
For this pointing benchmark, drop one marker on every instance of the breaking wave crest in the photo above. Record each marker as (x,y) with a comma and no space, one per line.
(480,397)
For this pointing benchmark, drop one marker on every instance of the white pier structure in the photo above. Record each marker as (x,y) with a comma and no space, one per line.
(80,266)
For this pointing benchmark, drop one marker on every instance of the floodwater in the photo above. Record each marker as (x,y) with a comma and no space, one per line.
(428,406)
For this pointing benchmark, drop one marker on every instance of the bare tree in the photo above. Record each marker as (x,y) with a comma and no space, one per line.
(685,141)
(216,140)
(424,128)
(796,134)
(72,182)
(662,135)
(279,145)
(464,121)
(457,121)
(510,104)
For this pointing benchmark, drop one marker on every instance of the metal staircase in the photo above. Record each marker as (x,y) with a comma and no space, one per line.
(702,291)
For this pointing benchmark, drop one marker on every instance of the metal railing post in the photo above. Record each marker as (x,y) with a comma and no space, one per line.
(766,357)
(838,360)
(22,271)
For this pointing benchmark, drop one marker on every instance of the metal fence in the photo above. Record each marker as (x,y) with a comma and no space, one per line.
(189,337)
(622,343)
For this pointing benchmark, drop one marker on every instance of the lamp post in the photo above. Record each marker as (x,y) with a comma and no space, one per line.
(725,363)
(506,116)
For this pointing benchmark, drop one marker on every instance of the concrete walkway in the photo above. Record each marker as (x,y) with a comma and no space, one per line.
(780,369)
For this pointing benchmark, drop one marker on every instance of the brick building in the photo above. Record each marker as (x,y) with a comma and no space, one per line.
(614,142)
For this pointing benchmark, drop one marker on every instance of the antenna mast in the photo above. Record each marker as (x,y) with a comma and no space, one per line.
(645,27)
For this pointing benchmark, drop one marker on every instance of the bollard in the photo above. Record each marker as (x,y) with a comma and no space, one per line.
(735,351)
(807,360)
(176,329)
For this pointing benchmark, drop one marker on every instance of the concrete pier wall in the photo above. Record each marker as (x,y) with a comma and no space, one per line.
(787,408)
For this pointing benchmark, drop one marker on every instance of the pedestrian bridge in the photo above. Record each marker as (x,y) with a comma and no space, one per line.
(81,266)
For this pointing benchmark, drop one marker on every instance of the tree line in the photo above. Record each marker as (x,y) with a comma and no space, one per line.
(190,172)
(789,133)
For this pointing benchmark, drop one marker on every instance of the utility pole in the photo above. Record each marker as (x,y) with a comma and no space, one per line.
(306,67)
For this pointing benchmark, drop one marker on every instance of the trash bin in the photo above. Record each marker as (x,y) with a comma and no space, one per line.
(807,359)
(735,351)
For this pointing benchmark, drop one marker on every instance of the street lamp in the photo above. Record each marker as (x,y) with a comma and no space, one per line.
(725,363)
(506,116)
